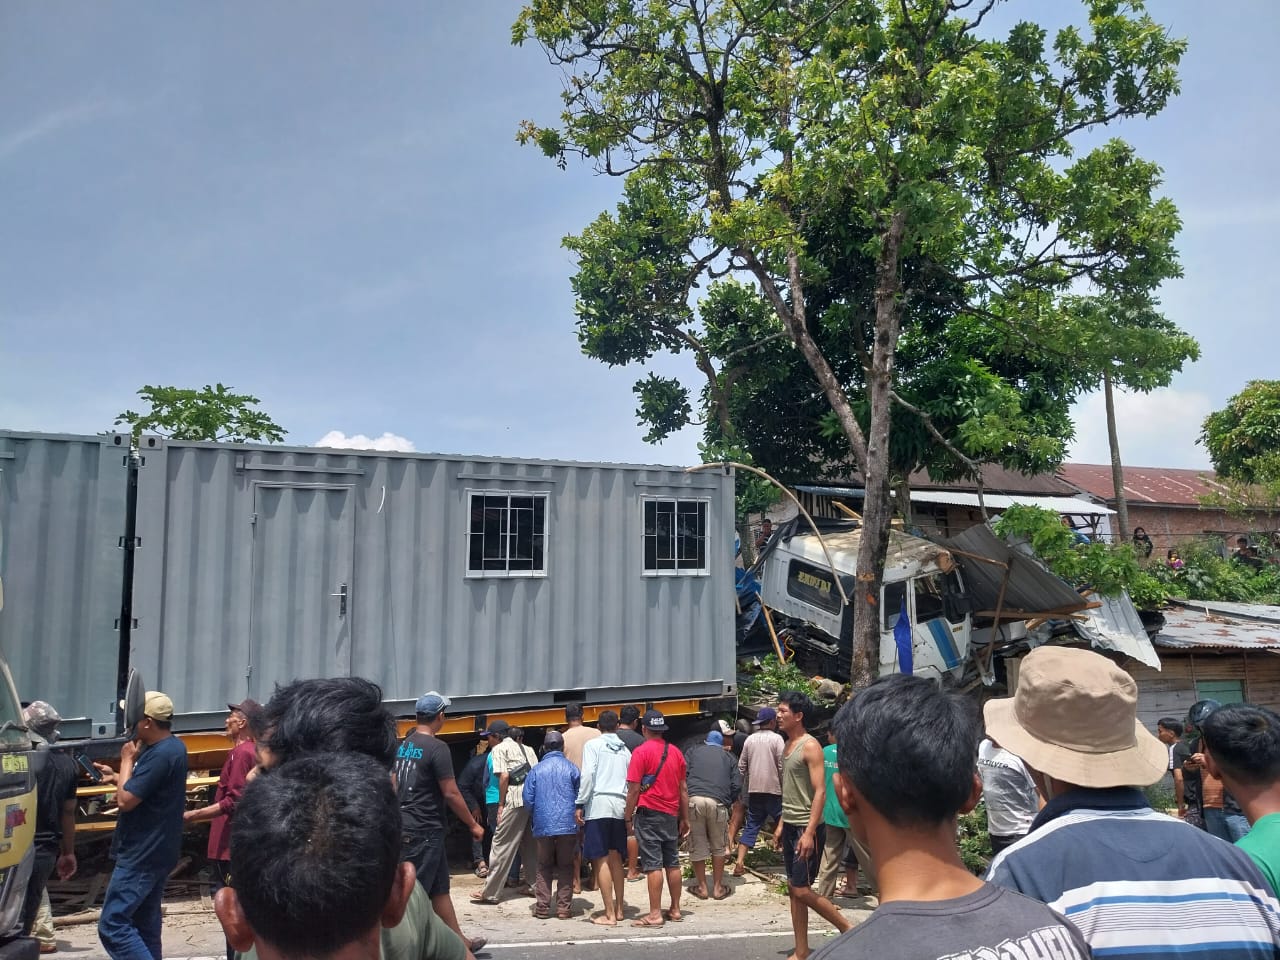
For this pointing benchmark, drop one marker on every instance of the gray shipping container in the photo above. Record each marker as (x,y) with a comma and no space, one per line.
(502,583)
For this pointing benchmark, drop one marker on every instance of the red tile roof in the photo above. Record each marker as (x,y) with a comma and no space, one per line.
(1161,485)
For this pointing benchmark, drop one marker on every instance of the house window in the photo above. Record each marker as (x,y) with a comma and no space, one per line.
(675,537)
(507,535)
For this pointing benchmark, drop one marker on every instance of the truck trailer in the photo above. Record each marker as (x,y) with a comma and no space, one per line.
(513,586)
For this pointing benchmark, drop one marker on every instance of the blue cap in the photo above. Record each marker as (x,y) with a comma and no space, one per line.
(715,738)
(430,703)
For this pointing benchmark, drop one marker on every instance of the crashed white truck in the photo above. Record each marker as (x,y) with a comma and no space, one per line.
(970,601)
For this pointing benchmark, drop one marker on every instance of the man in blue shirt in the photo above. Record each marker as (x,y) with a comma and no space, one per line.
(151,795)
(551,794)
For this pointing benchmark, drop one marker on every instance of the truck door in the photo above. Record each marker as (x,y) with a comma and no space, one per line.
(303,555)
(936,639)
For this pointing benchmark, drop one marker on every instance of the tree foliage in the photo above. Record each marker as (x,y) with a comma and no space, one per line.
(213,413)
(1107,569)
(951,155)
(1243,438)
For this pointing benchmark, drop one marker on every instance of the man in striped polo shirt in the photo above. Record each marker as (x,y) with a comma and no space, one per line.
(1138,884)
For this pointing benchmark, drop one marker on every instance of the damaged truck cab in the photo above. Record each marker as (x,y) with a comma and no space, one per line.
(921,581)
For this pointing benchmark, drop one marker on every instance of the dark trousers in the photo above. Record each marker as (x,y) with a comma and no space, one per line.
(999,842)
(555,859)
(41,871)
(130,924)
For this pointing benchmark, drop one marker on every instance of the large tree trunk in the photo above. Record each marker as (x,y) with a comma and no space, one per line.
(878,507)
(1117,469)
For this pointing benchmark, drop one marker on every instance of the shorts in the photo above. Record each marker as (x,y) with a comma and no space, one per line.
(603,837)
(761,808)
(708,828)
(427,856)
(658,837)
(802,872)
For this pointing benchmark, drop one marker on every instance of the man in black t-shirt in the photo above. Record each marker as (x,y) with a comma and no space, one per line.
(426,784)
(55,839)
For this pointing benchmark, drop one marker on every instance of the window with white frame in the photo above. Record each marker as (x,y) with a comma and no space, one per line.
(507,535)
(675,536)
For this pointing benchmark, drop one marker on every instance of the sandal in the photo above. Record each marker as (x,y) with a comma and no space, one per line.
(482,869)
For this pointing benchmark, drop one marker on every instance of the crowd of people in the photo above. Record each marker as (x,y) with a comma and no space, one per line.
(329,829)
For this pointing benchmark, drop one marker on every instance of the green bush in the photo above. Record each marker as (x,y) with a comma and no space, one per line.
(1207,576)
(973,840)
(769,678)
(1108,569)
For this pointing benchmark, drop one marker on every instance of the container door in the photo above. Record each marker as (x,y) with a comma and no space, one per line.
(300,614)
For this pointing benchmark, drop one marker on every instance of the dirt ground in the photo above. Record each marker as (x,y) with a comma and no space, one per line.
(754,904)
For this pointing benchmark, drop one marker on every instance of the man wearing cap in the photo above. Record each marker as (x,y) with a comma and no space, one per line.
(55,837)
(512,761)
(551,795)
(1138,884)
(151,795)
(713,786)
(657,813)
(425,783)
(231,781)
(760,767)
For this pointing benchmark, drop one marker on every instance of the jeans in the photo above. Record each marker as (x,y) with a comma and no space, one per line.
(1237,826)
(1215,821)
(130,924)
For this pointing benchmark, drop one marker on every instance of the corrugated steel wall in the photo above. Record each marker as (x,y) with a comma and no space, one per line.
(62,512)
(242,547)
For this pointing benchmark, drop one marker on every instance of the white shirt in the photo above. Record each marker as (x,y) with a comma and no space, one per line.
(1009,791)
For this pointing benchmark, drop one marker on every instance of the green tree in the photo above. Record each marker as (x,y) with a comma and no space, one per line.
(1243,438)
(213,413)
(735,122)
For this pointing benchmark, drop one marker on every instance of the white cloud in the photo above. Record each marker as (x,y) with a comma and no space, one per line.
(1156,429)
(358,441)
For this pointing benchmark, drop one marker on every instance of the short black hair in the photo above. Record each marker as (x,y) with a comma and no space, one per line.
(316,845)
(335,715)
(607,721)
(1172,724)
(516,734)
(1245,742)
(910,748)
(629,714)
(573,711)
(797,702)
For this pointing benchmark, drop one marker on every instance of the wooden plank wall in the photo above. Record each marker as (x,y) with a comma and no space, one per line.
(1170,692)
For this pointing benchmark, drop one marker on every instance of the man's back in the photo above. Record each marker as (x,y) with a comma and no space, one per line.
(552,792)
(761,763)
(992,922)
(711,771)
(1139,883)
(1008,790)
(575,738)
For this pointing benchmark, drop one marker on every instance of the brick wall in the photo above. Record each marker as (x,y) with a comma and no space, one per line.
(1173,527)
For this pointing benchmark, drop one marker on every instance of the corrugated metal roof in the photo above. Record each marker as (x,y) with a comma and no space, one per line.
(1030,589)
(1247,611)
(1000,501)
(1192,628)
(1181,488)
(1115,625)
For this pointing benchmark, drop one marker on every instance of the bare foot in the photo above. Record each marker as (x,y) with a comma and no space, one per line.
(603,921)
(721,893)
(647,921)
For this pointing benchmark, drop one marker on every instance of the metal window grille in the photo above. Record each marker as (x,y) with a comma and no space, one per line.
(675,536)
(507,535)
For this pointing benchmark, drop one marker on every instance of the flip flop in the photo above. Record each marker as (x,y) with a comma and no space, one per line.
(646,922)
(476,944)
(720,896)
(634,879)
(483,901)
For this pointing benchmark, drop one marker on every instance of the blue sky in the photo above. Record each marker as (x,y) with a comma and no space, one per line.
(323,203)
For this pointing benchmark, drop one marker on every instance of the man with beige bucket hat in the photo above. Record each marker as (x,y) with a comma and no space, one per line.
(1137,883)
